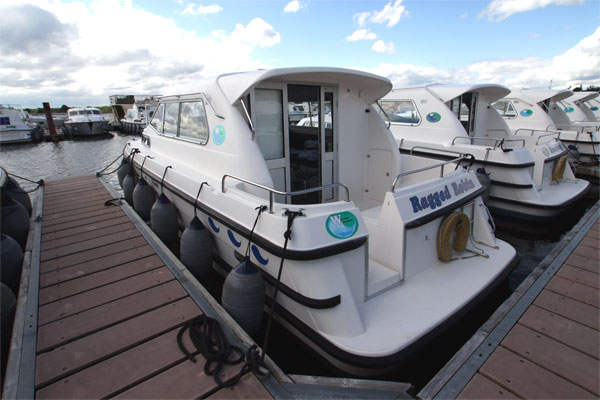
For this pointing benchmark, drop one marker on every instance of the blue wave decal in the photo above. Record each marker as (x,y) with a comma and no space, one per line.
(213,226)
(259,256)
(232,238)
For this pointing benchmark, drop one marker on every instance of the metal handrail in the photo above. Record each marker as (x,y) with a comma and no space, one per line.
(441,165)
(497,142)
(434,149)
(249,119)
(547,134)
(274,192)
(534,130)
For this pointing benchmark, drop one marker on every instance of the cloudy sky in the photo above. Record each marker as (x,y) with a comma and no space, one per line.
(80,52)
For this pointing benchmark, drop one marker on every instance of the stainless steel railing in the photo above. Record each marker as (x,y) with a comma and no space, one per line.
(439,165)
(273,192)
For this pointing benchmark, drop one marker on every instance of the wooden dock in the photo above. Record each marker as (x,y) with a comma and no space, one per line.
(544,342)
(101,303)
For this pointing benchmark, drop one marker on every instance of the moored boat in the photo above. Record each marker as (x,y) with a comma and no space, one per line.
(543,114)
(137,117)
(85,122)
(16,125)
(361,238)
(529,176)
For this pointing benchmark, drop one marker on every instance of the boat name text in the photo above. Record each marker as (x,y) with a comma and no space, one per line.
(436,199)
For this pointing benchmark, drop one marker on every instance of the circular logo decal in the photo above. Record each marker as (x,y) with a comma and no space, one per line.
(594,108)
(341,225)
(218,135)
(526,112)
(434,117)
(569,109)
(545,151)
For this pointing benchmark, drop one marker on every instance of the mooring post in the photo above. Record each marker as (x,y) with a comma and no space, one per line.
(49,119)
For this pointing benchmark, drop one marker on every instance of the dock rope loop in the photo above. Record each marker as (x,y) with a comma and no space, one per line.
(39,183)
(209,340)
(260,210)
(162,182)
(197,197)
(287,235)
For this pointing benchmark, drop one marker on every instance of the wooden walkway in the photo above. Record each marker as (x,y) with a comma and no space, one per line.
(552,351)
(110,310)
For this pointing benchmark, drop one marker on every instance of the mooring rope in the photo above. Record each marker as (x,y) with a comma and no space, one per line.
(39,183)
(209,340)
(101,172)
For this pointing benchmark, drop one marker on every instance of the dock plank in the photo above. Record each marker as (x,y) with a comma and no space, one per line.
(249,387)
(583,262)
(528,380)
(83,229)
(81,218)
(574,290)
(98,279)
(184,381)
(84,256)
(81,353)
(61,214)
(99,264)
(77,325)
(114,213)
(569,308)
(120,371)
(481,387)
(87,235)
(89,244)
(102,295)
(576,367)
(588,252)
(564,330)
(82,202)
(580,275)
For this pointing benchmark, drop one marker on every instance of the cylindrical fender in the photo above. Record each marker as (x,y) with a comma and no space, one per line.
(458,223)
(559,168)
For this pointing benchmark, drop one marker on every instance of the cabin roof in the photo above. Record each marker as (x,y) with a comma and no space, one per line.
(583,96)
(449,92)
(539,95)
(235,85)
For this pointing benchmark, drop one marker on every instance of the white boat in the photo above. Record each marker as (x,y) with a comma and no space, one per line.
(16,125)
(526,175)
(362,282)
(85,122)
(120,104)
(42,121)
(541,114)
(137,117)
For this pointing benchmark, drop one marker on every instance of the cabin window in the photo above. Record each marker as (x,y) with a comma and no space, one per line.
(157,120)
(400,111)
(192,121)
(171,119)
(96,112)
(268,111)
(505,108)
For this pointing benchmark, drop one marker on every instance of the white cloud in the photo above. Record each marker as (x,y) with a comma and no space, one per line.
(391,13)
(578,65)
(382,47)
(497,10)
(193,9)
(294,6)
(95,61)
(256,33)
(361,34)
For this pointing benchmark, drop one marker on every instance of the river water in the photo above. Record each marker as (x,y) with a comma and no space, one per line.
(71,158)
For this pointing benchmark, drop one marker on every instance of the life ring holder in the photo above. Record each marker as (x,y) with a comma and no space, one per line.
(459,224)
(559,169)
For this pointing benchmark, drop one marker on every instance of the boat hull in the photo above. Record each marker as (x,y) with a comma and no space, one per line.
(84,129)
(19,136)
